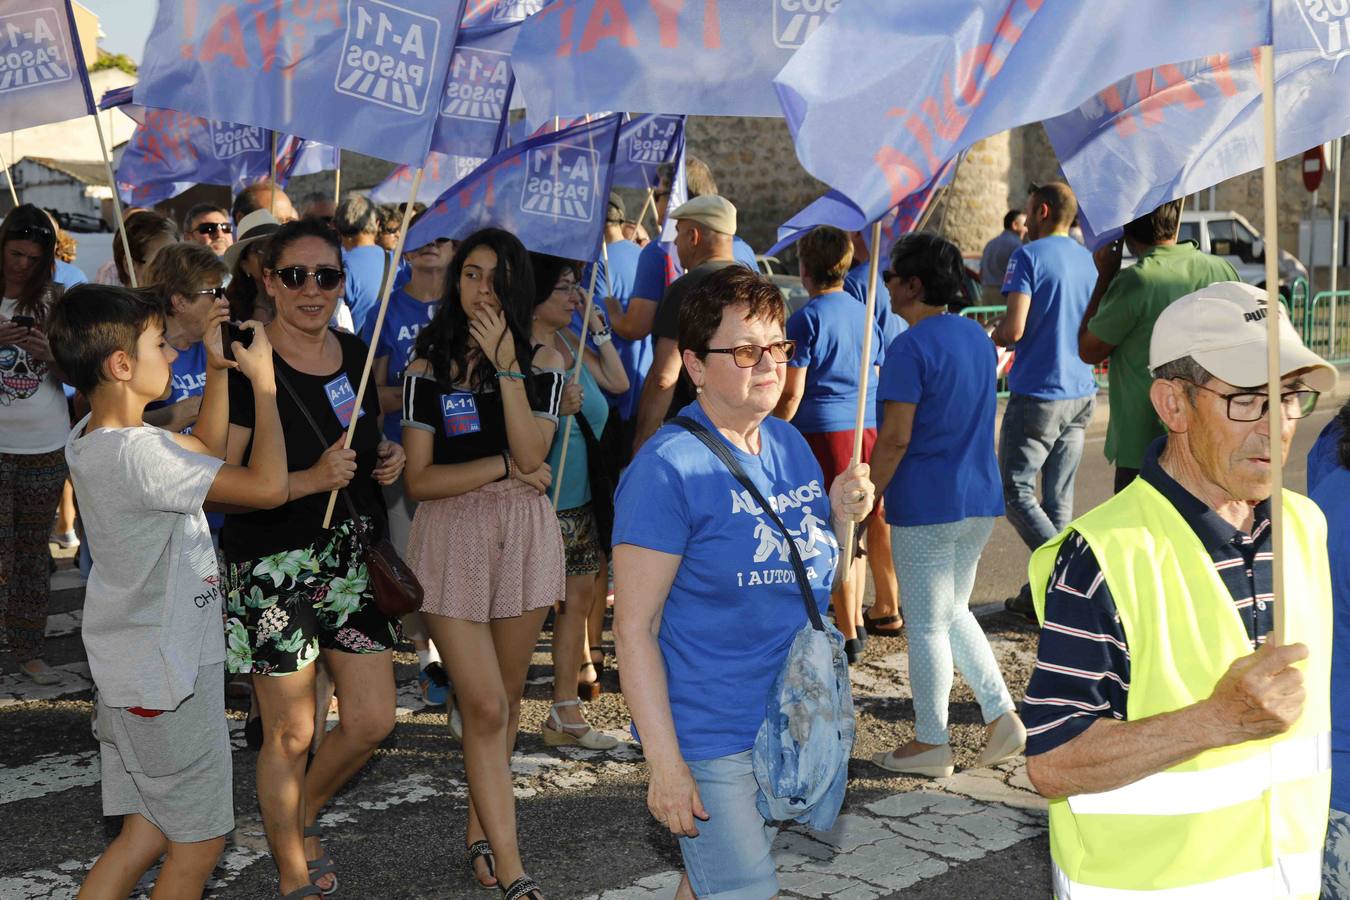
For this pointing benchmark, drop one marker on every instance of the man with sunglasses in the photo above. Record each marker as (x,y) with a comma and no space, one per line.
(1182,749)
(210,226)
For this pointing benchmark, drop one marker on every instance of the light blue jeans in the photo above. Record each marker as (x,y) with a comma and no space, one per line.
(936,567)
(731,859)
(1042,437)
(1336,857)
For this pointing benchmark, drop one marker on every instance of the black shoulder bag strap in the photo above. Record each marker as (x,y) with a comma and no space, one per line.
(323,441)
(722,452)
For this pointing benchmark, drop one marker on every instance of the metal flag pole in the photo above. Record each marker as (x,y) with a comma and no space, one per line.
(117,202)
(864,375)
(1268,185)
(9,176)
(385,291)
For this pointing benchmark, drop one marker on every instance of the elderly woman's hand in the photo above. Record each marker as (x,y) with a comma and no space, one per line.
(852,494)
(672,798)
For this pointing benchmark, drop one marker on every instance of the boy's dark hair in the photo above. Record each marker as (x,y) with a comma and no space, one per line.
(90,322)
(1156,227)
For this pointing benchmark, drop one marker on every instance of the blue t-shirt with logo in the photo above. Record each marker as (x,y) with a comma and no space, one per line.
(734,607)
(188,378)
(1058,274)
(829,333)
(855,284)
(659,265)
(1331,492)
(945,366)
(405,317)
(636,355)
(365,267)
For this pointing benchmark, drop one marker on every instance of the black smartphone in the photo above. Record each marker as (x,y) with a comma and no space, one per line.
(229,333)
(24,321)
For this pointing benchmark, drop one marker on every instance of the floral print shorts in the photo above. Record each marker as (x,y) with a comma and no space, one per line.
(280,610)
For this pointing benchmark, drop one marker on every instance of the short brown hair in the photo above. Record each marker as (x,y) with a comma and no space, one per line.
(181,269)
(90,322)
(142,229)
(1156,227)
(826,254)
(1059,197)
(702,311)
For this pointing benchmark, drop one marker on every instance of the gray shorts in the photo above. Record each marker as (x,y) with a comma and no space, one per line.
(174,768)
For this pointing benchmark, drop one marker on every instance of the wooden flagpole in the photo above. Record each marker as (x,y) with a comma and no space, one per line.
(1276,412)
(337,180)
(117,203)
(273,193)
(9,176)
(864,376)
(563,422)
(375,334)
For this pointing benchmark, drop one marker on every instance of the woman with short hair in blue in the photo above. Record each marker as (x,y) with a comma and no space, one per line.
(706,597)
(934,462)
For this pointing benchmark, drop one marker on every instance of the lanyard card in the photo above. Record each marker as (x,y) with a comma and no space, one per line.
(459,412)
(342,398)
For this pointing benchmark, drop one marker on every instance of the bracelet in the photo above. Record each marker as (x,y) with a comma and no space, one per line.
(507,373)
(601,338)
(506,459)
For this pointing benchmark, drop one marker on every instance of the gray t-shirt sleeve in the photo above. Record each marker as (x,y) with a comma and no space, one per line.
(164,476)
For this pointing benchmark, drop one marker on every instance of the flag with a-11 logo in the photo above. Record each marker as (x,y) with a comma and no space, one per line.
(368,75)
(646,143)
(549,191)
(42,74)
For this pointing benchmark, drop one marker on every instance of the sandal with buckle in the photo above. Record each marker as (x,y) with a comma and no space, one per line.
(482,850)
(522,888)
(558,733)
(880,626)
(322,866)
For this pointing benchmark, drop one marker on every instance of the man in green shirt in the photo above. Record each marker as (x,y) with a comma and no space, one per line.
(1119,323)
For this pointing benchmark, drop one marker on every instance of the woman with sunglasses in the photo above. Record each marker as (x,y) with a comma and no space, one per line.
(188,279)
(934,461)
(557,297)
(295,590)
(34,423)
(706,603)
(480,407)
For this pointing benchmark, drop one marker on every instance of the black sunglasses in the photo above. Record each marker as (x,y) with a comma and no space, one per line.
(327,278)
(218,292)
(40,233)
(212,228)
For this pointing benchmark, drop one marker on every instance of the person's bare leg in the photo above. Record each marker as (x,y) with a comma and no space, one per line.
(885,585)
(569,642)
(135,849)
(595,622)
(65,510)
(286,704)
(186,868)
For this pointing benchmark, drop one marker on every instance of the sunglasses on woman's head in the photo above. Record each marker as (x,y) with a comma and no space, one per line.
(212,228)
(327,278)
(40,233)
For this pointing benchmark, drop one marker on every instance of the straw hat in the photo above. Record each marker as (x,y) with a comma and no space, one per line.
(253,227)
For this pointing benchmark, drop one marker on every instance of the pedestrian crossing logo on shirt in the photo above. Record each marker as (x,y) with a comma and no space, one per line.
(813,536)
(229,140)
(388,55)
(651,144)
(459,413)
(796,20)
(34,49)
(476,88)
(1329,22)
(342,398)
(560,182)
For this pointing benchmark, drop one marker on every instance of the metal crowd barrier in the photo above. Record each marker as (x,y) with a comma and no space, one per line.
(985,315)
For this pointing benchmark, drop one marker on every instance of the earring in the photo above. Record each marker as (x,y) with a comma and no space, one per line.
(698,390)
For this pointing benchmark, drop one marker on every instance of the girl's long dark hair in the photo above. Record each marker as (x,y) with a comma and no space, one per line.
(29,223)
(444,342)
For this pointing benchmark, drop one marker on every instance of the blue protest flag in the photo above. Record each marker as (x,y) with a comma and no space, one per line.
(487,14)
(297,156)
(171,151)
(715,57)
(477,92)
(42,74)
(884,93)
(362,74)
(1167,132)
(549,191)
(646,143)
(440,172)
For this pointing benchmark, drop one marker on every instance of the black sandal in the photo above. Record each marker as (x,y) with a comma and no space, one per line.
(874,626)
(483,850)
(522,888)
(322,866)
(309,890)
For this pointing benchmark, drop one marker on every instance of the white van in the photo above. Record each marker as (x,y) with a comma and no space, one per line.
(1227,234)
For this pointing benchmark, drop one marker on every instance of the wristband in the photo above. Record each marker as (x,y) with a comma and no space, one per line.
(601,338)
(506,460)
(506,373)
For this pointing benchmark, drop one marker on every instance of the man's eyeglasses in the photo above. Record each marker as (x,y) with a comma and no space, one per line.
(214,228)
(218,292)
(326,277)
(1252,406)
(747,356)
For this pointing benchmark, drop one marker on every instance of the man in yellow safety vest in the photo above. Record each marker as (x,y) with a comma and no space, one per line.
(1183,752)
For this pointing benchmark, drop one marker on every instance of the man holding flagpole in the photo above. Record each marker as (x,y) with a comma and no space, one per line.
(1181,750)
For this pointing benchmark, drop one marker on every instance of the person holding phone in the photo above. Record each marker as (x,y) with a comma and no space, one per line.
(34,422)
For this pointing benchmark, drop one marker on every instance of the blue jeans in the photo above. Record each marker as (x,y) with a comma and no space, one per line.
(1046,437)
(1336,857)
(731,859)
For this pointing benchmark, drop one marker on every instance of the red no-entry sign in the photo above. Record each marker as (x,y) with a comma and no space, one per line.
(1314,166)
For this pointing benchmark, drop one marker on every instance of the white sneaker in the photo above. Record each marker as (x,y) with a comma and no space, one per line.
(456,723)
(67,541)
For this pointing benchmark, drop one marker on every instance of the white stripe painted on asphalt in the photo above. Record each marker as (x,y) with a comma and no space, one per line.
(17,688)
(48,774)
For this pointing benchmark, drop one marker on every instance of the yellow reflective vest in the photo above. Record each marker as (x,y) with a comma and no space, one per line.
(1245,821)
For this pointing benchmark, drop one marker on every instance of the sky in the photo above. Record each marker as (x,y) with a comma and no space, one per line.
(125,22)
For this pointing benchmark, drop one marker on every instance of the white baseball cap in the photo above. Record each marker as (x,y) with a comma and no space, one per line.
(1223,328)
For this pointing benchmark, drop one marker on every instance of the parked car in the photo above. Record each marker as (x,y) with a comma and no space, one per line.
(81,222)
(790,286)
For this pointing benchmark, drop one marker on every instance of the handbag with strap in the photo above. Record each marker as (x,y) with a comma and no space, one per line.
(397,590)
(602,482)
(803,746)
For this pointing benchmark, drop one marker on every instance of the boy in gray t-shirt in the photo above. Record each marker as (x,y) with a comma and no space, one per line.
(152,612)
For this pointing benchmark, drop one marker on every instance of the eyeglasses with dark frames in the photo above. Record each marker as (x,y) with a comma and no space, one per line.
(1252,406)
(40,233)
(214,228)
(327,278)
(218,292)
(747,356)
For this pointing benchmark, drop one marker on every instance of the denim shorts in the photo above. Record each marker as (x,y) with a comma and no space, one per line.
(731,859)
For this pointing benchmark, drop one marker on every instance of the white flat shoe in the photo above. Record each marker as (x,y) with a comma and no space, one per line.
(42,674)
(934,763)
(1007,740)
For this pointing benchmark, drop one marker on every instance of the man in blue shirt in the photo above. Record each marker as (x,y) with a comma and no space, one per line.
(358,224)
(994,261)
(615,283)
(1048,285)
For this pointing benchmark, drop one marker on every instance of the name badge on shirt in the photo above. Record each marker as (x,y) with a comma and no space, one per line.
(459,412)
(342,398)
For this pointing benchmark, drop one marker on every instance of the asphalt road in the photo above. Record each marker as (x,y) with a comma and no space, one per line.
(397,830)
